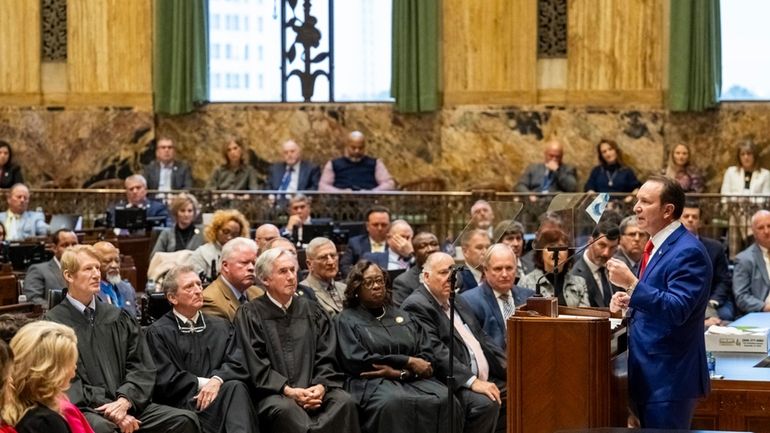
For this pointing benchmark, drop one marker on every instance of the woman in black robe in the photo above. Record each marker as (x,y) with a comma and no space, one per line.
(387,357)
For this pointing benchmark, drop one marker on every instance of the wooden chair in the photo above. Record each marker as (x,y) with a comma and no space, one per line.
(128,271)
(9,285)
(28,309)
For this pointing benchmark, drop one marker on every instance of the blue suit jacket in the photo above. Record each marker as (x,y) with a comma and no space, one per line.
(666,348)
(468,280)
(31,224)
(483,303)
(127,295)
(357,247)
(309,174)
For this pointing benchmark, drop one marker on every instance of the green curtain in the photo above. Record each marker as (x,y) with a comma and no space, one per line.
(180,76)
(415,55)
(695,55)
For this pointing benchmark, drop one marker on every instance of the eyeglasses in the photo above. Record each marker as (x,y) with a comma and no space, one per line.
(369,283)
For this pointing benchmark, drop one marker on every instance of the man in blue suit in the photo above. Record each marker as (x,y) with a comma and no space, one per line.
(666,303)
(373,244)
(494,300)
(20,223)
(112,288)
(293,174)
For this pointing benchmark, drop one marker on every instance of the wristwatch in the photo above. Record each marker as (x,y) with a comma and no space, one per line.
(404,375)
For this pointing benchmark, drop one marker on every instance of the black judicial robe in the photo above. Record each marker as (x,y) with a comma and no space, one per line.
(294,348)
(114,361)
(388,405)
(181,358)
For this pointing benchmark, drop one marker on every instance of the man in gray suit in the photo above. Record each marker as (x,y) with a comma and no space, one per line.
(323,264)
(550,175)
(20,223)
(166,173)
(751,283)
(42,277)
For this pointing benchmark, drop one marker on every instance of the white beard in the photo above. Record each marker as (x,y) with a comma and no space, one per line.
(114,279)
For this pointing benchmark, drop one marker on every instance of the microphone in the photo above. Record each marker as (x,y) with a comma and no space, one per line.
(612,234)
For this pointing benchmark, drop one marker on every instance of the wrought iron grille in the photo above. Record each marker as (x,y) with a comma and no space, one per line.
(302,48)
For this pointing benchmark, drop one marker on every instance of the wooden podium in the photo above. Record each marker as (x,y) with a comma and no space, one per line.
(559,368)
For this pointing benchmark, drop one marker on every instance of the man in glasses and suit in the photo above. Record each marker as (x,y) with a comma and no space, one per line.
(199,363)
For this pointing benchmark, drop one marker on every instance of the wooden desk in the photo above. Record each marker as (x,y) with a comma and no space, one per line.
(639,430)
(559,371)
(741,401)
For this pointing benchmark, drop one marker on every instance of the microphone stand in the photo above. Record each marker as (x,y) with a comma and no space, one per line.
(558,280)
(454,284)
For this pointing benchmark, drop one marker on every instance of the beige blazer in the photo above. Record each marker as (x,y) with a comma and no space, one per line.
(218,299)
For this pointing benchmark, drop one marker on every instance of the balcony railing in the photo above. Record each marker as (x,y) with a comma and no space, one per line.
(444,213)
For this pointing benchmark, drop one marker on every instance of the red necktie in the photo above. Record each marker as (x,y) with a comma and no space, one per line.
(645,257)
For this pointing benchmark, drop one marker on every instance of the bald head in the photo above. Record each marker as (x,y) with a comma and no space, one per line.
(554,151)
(436,273)
(355,147)
(264,234)
(400,236)
(760,225)
(109,259)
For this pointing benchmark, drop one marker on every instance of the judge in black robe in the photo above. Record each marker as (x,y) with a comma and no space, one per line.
(289,347)
(114,361)
(182,355)
(379,347)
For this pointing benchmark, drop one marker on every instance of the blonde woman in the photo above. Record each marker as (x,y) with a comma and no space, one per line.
(6,359)
(45,360)
(679,168)
(184,235)
(225,225)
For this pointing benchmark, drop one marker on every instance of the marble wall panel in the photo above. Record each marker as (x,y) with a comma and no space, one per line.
(68,147)
(468,146)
